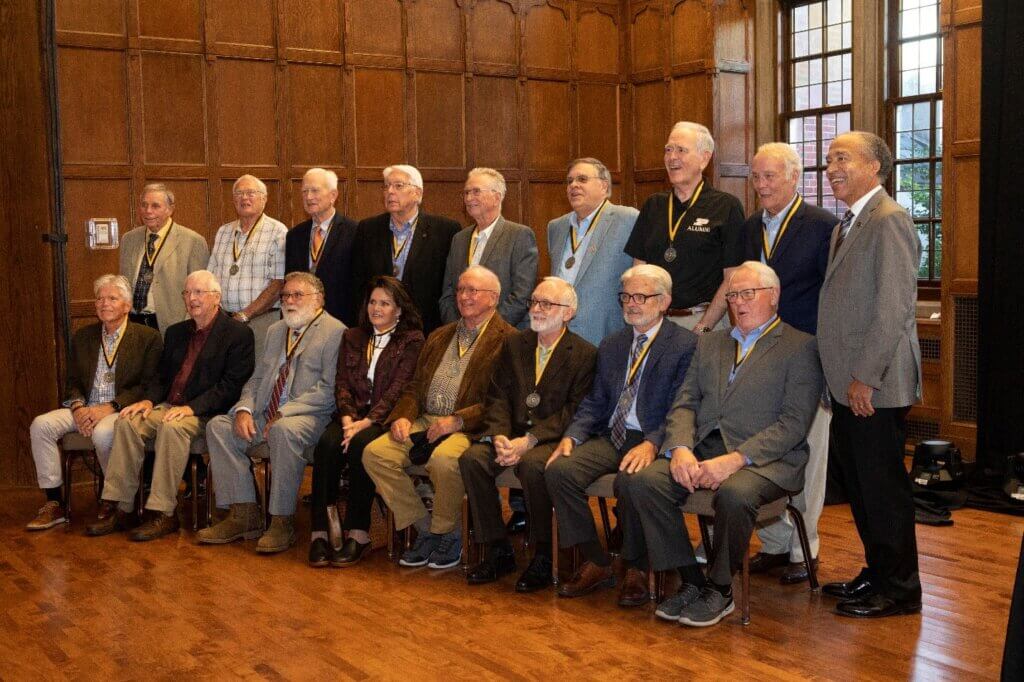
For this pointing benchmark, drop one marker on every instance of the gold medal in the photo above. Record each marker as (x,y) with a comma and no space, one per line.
(670,254)
(234,269)
(533,400)
(569,262)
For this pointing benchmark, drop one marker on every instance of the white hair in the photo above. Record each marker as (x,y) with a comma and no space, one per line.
(119,282)
(158,187)
(705,143)
(329,177)
(496,178)
(662,280)
(785,153)
(569,296)
(415,179)
(485,273)
(766,277)
(207,276)
(260,185)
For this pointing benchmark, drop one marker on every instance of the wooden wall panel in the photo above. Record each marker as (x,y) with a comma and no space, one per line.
(435,30)
(495,122)
(599,124)
(962,176)
(650,124)
(440,120)
(244,99)
(547,37)
(91,16)
(311,25)
(445,198)
(548,140)
(93,106)
(965,118)
(173,96)
(374,27)
(547,201)
(692,101)
(647,39)
(597,41)
(379,125)
(195,205)
(691,26)
(493,31)
(179,19)
(241,22)
(85,199)
(316,110)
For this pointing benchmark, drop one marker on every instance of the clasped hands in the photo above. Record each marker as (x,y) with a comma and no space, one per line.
(444,426)
(690,473)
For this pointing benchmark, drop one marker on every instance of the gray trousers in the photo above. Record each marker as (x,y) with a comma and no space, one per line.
(652,525)
(288,441)
(568,478)
(479,470)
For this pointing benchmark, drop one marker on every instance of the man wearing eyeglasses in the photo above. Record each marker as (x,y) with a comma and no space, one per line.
(248,259)
(539,380)
(205,362)
(507,249)
(287,403)
(620,425)
(323,245)
(738,427)
(586,247)
(406,243)
(443,402)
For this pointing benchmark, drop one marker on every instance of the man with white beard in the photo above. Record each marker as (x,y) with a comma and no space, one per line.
(288,403)
(540,378)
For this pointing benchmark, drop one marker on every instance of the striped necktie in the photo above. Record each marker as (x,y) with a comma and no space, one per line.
(628,395)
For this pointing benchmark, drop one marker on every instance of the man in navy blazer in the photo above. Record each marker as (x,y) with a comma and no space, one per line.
(620,425)
(327,253)
(792,236)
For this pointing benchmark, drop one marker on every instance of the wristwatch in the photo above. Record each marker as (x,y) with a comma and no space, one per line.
(116,405)
(703,330)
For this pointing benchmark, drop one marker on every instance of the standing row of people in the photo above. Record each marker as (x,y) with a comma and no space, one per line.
(438,397)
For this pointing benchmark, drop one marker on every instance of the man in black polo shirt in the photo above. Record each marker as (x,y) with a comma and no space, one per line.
(698,238)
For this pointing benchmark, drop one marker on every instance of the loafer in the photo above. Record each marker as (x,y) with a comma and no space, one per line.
(537,575)
(858,588)
(106,510)
(634,590)
(497,564)
(516,523)
(877,606)
(762,562)
(589,578)
(350,553)
(796,572)
(118,521)
(320,553)
(157,525)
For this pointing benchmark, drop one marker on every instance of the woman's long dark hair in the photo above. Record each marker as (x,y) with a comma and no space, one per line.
(410,318)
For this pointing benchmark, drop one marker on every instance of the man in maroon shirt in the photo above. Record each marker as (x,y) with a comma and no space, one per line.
(206,361)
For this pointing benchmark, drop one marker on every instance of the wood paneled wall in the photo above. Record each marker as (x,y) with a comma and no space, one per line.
(961,21)
(195,93)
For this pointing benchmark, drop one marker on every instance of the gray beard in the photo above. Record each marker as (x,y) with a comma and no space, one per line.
(297,319)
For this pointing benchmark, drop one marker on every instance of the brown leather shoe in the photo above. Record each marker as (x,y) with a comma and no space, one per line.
(634,590)
(117,521)
(796,573)
(590,577)
(763,562)
(106,510)
(157,525)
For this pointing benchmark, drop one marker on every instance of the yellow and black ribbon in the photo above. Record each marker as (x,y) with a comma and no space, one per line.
(741,356)
(769,249)
(673,228)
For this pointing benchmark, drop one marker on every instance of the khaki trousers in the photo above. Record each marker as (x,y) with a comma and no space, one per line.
(385,461)
(172,441)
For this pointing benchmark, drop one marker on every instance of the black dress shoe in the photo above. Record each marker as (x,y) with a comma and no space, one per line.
(350,553)
(762,562)
(857,588)
(320,552)
(516,523)
(877,606)
(497,564)
(537,576)
(796,573)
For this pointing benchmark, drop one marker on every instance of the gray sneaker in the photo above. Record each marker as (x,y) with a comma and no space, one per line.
(707,610)
(420,552)
(448,552)
(671,608)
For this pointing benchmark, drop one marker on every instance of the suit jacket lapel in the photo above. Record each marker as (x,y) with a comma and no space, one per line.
(556,363)
(419,238)
(332,238)
(596,237)
(560,240)
(490,246)
(171,243)
(855,230)
(792,234)
(762,347)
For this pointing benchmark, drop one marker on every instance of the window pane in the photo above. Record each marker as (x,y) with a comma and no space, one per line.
(904,117)
(937,252)
(923,230)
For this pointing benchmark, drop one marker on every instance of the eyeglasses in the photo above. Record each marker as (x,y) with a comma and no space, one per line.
(625,298)
(247,193)
(470,291)
(186,293)
(475,192)
(544,306)
(296,295)
(745,294)
(582,179)
(397,186)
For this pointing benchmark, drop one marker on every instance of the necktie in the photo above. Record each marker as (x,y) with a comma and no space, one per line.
(145,278)
(627,396)
(844,229)
(478,243)
(282,378)
(318,240)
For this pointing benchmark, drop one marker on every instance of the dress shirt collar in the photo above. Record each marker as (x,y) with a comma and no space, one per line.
(650,333)
(754,335)
(859,205)
(407,225)
(767,218)
(578,224)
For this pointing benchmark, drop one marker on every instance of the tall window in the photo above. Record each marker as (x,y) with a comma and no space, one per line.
(915,87)
(818,87)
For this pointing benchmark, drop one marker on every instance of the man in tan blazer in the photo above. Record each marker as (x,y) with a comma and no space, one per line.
(156,257)
(445,399)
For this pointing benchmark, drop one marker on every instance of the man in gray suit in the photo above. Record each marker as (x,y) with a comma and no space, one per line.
(287,402)
(738,426)
(507,249)
(156,257)
(867,333)
(586,247)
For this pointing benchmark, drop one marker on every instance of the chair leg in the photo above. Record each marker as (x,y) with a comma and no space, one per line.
(194,466)
(467,537)
(554,550)
(745,595)
(805,546)
(602,505)
(65,458)
(266,493)
(705,536)
(389,523)
(655,584)
(209,496)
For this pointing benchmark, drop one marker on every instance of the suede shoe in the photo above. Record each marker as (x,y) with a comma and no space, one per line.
(499,562)
(589,578)
(537,575)
(762,562)
(106,510)
(119,520)
(350,553)
(796,572)
(634,590)
(279,537)
(157,525)
(242,522)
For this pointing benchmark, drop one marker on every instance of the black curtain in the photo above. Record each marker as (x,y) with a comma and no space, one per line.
(1001,237)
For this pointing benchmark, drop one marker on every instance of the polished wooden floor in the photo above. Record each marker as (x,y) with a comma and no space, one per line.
(73,607)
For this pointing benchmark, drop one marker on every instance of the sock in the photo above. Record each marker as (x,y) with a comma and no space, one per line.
(360,536)
(422,526)
(724,590)
(318,535)
(54,494)
(693,575)
(594,553)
